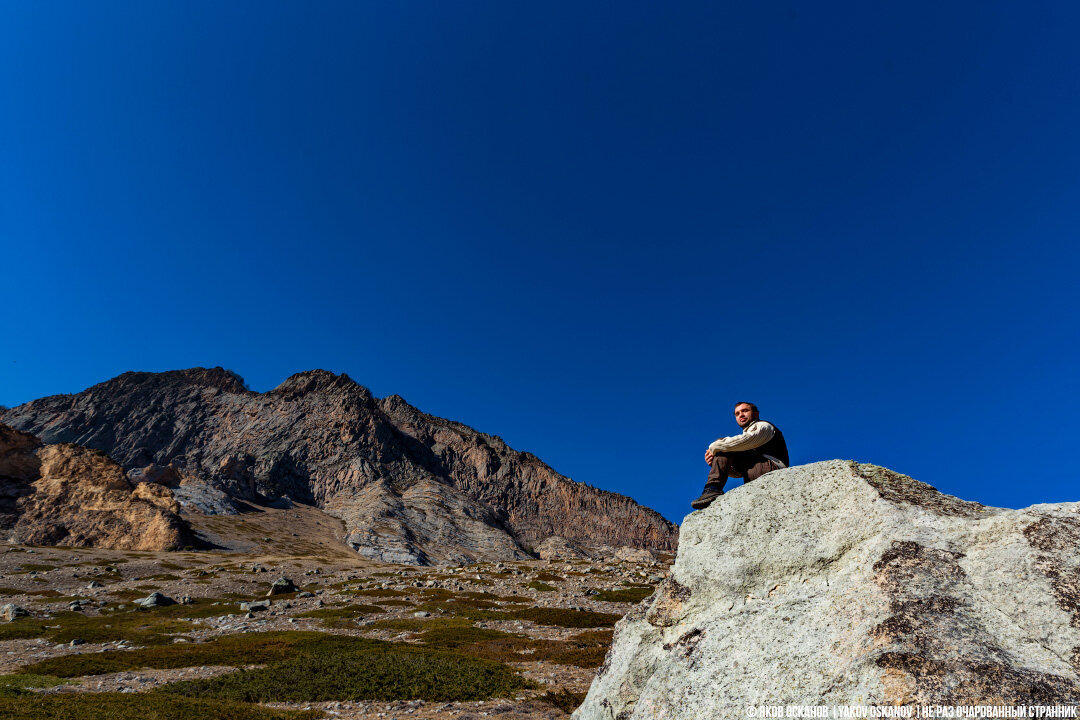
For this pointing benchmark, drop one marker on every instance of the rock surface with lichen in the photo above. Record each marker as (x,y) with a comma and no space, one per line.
(840,584)
(410,487)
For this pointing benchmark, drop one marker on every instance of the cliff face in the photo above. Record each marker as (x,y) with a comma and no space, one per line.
(410,487)
(69,495)
(845,584)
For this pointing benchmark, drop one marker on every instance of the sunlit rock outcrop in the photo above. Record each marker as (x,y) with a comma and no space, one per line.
(845,584)
(70,495)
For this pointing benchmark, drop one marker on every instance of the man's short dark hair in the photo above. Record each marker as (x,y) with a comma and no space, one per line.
(753,407)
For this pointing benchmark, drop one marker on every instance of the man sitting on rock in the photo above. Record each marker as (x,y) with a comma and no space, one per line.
(758,450)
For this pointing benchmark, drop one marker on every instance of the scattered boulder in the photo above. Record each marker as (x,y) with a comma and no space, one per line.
(155,599)
(10,611)
(559,548)
(634,555)
(196,494)
(255,606)
(166,475)
(840,584)
(281,586)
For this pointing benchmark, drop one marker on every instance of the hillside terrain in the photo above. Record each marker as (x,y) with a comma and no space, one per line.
(409,487)
(834,584)
(513,640)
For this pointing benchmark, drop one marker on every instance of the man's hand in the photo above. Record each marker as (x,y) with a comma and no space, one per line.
(709,456)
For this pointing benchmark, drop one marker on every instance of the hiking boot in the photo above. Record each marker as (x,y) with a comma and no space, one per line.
(710,493)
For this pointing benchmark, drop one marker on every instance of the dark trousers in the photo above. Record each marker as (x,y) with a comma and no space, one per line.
(748,464)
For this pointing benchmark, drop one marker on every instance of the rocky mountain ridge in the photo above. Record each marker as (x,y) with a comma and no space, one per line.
(411,487)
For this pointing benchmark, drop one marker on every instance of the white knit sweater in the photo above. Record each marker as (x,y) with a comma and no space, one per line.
(753,435)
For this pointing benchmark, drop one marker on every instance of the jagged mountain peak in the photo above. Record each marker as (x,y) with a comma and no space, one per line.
(217,377)
(310,381)
(395,401)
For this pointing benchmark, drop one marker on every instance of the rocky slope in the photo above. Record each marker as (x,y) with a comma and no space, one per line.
(411,487)
(842,584)
(549,621)
(73,496)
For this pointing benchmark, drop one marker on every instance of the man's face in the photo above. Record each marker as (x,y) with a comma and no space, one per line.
(743,415)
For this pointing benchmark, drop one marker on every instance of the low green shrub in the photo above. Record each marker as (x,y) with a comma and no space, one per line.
(342,617)
(141,626)
(457,606)
(375,671)
(585,650)
(234,650)
(375,592)
(548,577)
(562,617)
(412,624)
(442,594)
(15,685)
(345,611)
(33,567)
(24,627)
(558,617)
(626,595)
(137,706)
(541,587)
(127,594)
(563,699)
(453,637)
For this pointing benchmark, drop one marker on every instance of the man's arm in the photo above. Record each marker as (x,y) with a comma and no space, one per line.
(759,433)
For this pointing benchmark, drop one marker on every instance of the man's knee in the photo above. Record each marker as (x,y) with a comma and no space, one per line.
(723,467)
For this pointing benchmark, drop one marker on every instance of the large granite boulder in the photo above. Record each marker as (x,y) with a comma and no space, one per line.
(559,548)
(842,584)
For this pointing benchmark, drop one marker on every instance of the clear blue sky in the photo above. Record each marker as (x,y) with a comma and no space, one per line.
(589,228)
